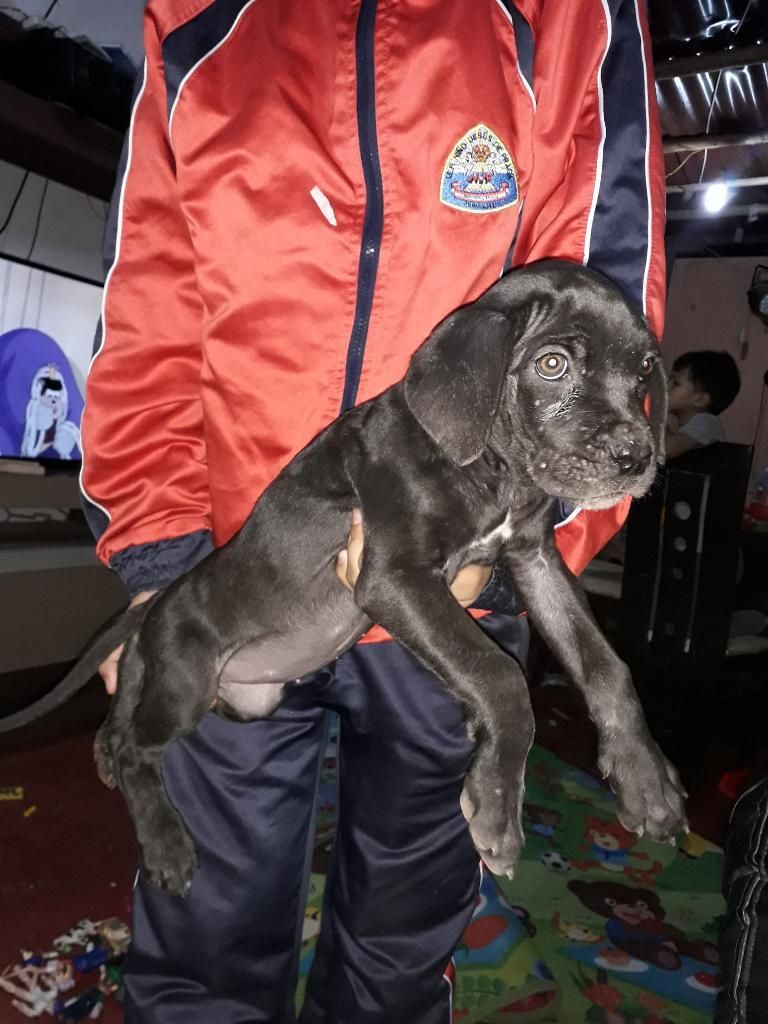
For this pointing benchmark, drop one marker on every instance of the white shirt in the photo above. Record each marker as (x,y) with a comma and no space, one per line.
(704,429)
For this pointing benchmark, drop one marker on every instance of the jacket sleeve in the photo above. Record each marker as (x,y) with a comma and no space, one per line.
(144,477)
(597,193)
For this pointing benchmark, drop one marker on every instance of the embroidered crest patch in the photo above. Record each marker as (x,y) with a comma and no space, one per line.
(479,174)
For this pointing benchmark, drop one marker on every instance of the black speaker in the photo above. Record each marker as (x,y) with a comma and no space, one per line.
(681,558)
(758,293)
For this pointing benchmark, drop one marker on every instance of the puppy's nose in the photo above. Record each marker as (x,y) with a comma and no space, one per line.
(632,459)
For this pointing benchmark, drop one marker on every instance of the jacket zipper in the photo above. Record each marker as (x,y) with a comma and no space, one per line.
(374,204)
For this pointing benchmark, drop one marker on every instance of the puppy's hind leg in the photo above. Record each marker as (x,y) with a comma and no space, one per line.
(121,708)
(170,706)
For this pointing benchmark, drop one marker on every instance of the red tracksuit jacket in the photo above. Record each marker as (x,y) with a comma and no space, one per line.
(306,190)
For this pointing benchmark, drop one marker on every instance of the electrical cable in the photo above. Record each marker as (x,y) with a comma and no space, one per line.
(50,8)
(39,216)
(681,163)
(704,150)
(16,198)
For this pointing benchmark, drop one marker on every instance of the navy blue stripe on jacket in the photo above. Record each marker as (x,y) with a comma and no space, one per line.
(523,39)
(186,46)
(618,240)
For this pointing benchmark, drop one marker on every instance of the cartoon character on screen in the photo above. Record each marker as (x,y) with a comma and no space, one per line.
(46,424)
(40,399)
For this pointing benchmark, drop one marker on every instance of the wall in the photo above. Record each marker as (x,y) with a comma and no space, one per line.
(707,308)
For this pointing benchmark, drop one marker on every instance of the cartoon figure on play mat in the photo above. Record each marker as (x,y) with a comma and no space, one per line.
(573,931)
(611,847)
(524,917)
(542,821)
(635,925)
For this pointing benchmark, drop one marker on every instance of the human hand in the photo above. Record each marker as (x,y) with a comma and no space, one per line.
(108,668)
(470,582)
(466,588)
(349,560)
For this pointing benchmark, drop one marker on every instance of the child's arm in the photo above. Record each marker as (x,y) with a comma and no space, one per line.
(677,443)
(699,431)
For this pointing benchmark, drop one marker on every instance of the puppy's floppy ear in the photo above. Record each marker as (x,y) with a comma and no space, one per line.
(657,393)
(454,382)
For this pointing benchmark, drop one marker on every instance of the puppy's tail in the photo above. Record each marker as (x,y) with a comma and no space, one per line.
(115,632)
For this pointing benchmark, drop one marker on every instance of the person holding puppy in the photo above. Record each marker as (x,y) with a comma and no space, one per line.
(306,190)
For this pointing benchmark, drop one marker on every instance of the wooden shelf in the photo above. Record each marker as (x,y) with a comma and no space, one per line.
(51,140)
(57,490)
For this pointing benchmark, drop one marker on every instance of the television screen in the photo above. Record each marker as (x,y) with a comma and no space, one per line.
(47,325)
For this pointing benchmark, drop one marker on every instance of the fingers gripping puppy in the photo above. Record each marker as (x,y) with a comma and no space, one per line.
(536,391)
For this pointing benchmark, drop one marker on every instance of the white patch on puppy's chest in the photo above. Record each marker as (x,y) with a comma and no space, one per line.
(499,533)
(487,546)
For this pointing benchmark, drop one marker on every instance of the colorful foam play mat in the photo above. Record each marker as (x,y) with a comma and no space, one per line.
(598,927)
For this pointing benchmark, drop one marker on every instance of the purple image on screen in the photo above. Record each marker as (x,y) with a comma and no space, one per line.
(40,402)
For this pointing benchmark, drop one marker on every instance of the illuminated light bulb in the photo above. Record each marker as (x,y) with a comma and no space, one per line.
(716,196)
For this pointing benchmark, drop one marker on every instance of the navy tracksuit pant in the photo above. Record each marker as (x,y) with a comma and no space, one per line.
(743,998)
(404,874)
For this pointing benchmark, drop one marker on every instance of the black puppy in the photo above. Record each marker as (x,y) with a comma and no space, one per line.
(534,391)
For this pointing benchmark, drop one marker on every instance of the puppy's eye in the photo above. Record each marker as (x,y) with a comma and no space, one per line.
(647,365)
(551,366)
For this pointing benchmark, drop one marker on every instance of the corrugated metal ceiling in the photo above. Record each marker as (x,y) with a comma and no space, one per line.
(730,101)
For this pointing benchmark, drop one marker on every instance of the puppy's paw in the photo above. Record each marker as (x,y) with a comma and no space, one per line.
(493,811)
(650,795)
(103,758)
(170,862)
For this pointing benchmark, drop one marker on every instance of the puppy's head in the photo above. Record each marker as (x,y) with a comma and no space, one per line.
(554,372)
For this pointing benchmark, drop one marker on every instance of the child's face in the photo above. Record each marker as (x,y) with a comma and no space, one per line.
(684,395)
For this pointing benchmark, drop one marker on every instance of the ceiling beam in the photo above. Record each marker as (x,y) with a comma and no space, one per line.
(696,143)
(723,60)
(702,186)
(756,210)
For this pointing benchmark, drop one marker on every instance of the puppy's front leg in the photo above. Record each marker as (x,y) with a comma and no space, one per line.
(418,610)
(650,795)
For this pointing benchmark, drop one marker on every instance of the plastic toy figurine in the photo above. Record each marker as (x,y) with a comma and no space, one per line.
(33,987)
(80,935)
(88,1004)
(44,982)
(115,934)
(94,956)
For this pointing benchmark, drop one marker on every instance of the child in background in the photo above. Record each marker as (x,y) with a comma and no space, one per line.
(701,386)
